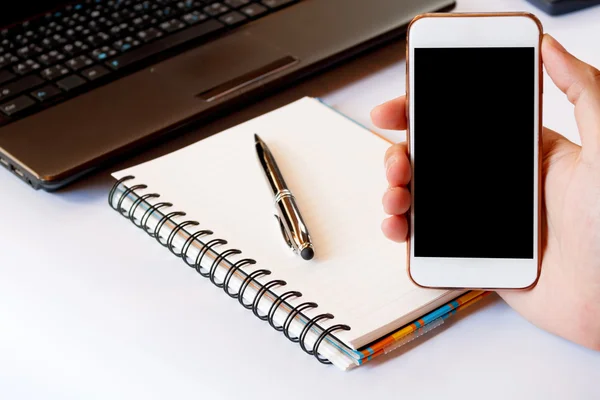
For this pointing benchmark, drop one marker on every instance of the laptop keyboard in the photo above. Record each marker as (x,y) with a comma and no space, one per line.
(84,45)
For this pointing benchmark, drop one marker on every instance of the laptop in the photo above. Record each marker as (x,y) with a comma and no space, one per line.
(83,84)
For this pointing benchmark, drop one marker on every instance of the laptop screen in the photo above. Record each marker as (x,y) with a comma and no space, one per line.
(24,9)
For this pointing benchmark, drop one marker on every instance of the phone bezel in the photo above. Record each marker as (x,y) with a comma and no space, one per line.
(477,30)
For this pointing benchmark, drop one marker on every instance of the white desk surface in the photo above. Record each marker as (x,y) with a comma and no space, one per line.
(91,308)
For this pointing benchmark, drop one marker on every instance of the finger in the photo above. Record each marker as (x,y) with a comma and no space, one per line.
(553,141)
(396,201)
(555,147)
(390,115)
(550,139)
(581,83)
(395,228)
(397,165)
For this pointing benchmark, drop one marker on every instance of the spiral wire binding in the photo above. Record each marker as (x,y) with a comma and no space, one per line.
(162,222)
(215,264)
(221,257)
(275,306)
(137,203)
(174,234)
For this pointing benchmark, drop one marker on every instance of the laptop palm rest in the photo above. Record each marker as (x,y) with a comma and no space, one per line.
(224,66)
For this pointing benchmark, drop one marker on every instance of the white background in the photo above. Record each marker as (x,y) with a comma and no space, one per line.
(91,308)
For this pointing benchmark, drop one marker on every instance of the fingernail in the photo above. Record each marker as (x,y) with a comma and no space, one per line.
(556,44)
(390,161)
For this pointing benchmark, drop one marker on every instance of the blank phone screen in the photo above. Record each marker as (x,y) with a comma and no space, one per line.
(474,152)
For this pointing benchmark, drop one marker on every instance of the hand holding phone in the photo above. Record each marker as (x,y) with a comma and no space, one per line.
(473,107)
(569,282)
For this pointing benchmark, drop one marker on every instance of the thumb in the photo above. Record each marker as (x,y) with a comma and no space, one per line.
(581,83)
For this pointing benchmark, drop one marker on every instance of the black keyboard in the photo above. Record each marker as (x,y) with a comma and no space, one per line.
(60,55)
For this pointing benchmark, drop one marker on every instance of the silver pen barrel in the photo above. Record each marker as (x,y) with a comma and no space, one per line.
(292,222)
(267,161)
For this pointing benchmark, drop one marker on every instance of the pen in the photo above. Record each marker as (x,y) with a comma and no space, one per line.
(294,230)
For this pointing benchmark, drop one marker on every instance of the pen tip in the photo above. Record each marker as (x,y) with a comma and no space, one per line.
(256,138)
(307,253)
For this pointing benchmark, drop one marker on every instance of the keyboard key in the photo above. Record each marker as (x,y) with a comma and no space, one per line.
(254,10)
(7,44)
(117,17)
(216,9)
(30,34)
(186,5)
(100,24)
(172,25)
(79,62)
(75,48)
(29,51)
(22,85)
(70,82)
(194,17)
(55,72)
(128,14)
(48,43)
(46,93)
(138,8)
(232,18)
(126,44)
(55,27)
(51,57)
(165,13)
(94,14)
(6,76)
(97,39)
(17,105)
(119,30)
(95,72)
(150,5)
(21,40)
(26,67)
(59,39)
(149,34)
(42,29)
(103,53)
(236,3)
(175,39)
(82,31)
(143,22)
(69,22)
(276,3)
(7,59)
(71,33)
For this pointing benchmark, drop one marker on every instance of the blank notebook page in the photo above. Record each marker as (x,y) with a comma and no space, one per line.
(335,169)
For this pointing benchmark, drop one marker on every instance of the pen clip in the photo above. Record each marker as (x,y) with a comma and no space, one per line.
(286,238)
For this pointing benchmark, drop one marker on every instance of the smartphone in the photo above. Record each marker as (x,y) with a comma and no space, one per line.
(474,106)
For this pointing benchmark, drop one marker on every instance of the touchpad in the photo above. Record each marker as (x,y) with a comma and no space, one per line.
(225,65)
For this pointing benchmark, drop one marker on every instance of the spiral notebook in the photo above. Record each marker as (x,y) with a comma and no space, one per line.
(210,206)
